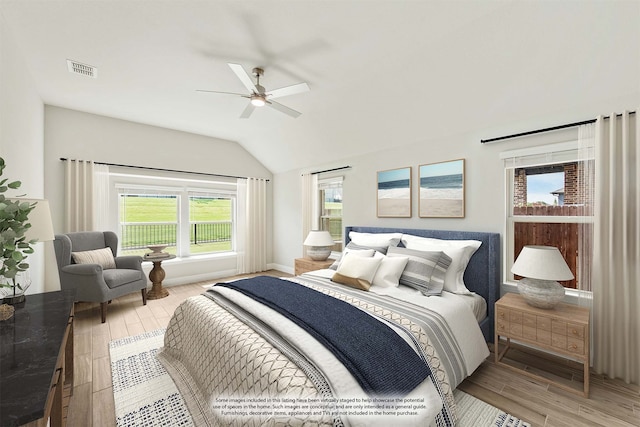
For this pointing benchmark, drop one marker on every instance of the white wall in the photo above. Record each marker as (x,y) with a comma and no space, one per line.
(484,184)
(21,137)
(78,135)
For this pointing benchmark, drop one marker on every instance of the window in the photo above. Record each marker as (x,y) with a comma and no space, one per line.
(148,219)
(210,223)
(549,202)
(330,209)
(191,216)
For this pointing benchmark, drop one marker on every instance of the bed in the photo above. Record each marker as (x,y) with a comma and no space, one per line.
(386,356)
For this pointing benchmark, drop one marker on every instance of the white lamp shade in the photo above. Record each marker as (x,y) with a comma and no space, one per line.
(319,238)
(40,219)
(541,262)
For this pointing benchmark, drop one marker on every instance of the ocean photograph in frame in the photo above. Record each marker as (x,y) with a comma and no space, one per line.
(394,193)
(442,190)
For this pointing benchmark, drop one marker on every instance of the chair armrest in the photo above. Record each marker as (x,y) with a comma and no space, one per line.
(131,262)
(83,269)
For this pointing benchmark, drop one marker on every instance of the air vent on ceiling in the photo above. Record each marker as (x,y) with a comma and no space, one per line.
(82,69)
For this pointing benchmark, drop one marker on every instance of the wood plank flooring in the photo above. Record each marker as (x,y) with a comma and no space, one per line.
(612,402)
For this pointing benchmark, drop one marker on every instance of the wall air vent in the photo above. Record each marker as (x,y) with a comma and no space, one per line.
(76,67)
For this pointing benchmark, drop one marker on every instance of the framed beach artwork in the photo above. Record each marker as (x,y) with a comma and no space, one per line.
(442,190)
(394,193)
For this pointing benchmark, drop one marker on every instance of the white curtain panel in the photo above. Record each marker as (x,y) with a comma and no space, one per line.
(79,195)
(616,268)
(309,205)
(252,226)
(87,196)
(101,192)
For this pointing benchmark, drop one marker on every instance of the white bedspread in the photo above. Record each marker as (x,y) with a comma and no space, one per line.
(454,308)
(342,382)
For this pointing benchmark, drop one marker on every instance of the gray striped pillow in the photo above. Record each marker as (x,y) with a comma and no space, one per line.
(425,270)
(102,257)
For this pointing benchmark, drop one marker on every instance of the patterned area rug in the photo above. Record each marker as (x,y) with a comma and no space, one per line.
(474,412)
(145,394)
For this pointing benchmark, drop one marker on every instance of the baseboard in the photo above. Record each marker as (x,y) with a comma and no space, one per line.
(198,278)
(284,268)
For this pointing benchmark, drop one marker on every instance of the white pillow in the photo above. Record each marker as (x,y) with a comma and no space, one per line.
(375,239)
(103,257)
(389,271)
(357,252)
(460,252)
(357,271)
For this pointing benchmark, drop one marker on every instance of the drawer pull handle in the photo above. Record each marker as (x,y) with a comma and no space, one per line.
(574,332)
(573,347)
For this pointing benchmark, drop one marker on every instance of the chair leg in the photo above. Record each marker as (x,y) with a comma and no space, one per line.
(144,296)
(103,311)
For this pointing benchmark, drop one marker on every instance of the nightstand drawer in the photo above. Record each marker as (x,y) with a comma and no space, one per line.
(559,341)
(575,331)
(559,327)
(543,323)
(543,337)
(575,345)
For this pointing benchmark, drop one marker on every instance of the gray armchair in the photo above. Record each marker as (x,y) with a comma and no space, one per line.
(90,281)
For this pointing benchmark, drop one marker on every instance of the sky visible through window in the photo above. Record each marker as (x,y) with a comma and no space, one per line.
(540,186)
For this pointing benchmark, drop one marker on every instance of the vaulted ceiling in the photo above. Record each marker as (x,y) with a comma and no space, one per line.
(381,73)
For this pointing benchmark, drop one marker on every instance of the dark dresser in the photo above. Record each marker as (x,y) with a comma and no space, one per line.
(36,360)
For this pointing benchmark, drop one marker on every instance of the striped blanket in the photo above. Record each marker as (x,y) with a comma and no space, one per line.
(221,348)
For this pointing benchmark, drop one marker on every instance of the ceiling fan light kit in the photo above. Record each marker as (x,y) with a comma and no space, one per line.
(258,100)
(258,96)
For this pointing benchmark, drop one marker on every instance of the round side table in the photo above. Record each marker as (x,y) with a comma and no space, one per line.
(156,275)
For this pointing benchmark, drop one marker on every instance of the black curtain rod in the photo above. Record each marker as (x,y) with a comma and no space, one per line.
(331,170)
(165,170)
(532,132)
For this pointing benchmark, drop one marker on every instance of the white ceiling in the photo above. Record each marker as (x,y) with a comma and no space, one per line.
(381,72)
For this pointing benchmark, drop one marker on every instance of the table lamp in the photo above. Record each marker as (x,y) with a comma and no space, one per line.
(540,268)
(319,245)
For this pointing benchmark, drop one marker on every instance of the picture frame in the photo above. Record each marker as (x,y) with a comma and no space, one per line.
(394,193)
(442,189)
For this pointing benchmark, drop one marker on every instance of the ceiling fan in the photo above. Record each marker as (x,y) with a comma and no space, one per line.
(258,95)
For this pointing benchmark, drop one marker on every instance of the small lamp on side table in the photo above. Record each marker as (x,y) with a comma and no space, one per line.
(540,267)
(319,245)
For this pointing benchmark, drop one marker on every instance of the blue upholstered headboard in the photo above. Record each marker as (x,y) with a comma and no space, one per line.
(482,275)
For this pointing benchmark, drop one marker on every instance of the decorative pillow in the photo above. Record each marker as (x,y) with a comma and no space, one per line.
(460,252)
(389,271)
(357,271)
(425,270)
(381,249)
(347,250)
(375,239)
(102,257)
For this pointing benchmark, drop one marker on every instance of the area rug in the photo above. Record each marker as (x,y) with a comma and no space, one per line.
(145,394)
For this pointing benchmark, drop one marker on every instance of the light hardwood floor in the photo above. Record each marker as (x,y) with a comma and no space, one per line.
(612,402)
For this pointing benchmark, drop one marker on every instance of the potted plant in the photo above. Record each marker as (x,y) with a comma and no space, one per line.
(14,248)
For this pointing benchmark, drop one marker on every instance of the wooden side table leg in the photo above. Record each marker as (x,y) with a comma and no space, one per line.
(586,378)
(156,275)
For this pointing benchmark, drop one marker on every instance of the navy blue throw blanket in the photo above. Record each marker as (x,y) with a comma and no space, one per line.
(380,360)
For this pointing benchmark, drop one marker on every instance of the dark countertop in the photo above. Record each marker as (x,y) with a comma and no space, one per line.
(29,346)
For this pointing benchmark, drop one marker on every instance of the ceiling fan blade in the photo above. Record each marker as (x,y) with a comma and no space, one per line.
(247,111)
(289,90)
(217,91)
(284,109)
(244,77)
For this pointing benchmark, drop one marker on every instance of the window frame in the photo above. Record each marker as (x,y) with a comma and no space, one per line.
(323,184)
(183,187)
(542,155)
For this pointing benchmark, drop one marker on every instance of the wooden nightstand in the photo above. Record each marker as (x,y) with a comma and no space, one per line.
(563,330)
(303,265)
